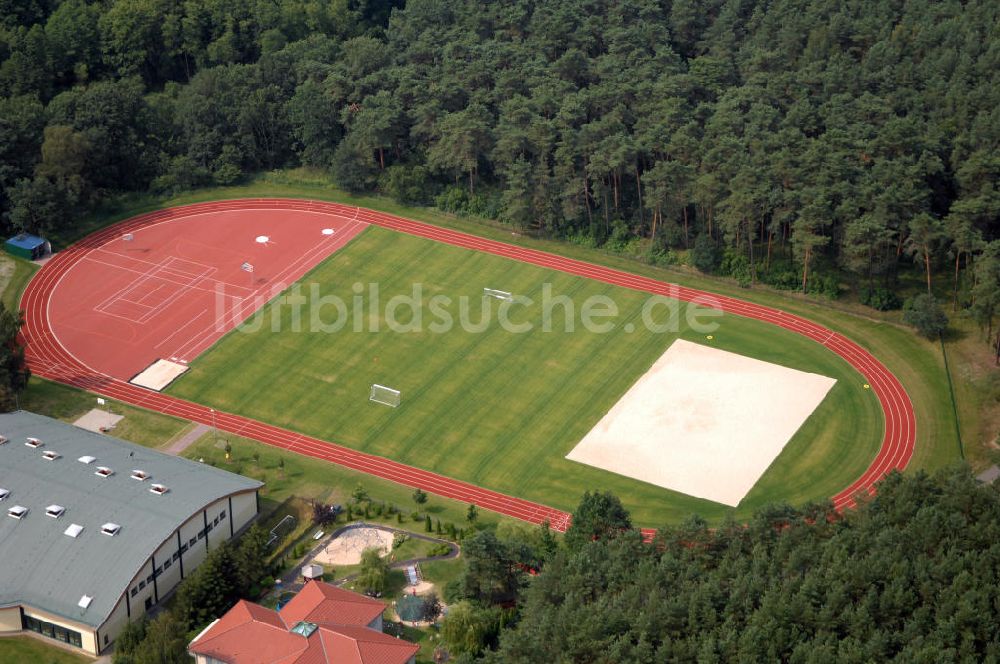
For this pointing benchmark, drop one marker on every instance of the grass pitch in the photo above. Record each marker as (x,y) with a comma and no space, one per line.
(500,409)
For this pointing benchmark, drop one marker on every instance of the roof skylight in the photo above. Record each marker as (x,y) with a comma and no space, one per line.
(50,455)
(140,475)
(3,439)
(33,442)
(74,530)
(17,511)
(110,529)
(4,493)
(55,511)
(87,459)
(158,489)
(85,601)
(304,628)
(104,471)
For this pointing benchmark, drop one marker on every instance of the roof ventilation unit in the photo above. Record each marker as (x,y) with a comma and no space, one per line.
(104,471)
(55,511)
(17,511)
(158,489)
(110,529)
(33,443)
(50,455)
(140,475)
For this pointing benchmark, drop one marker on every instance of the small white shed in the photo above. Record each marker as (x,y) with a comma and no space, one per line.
(312,571)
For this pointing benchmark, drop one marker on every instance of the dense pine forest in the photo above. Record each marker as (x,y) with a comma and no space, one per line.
(910,576)
(810,146)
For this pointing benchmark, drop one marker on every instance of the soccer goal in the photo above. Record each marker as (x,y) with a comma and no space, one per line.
(384,395)
(498,294)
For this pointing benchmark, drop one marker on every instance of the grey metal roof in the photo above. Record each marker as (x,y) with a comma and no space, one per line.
(41,566)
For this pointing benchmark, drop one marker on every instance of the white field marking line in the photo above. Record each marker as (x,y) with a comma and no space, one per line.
(177,331)
(148,262)
(136,303)
(150,295)
(177,293)
(153,308)
(236,312)
(177,283)
(114,297)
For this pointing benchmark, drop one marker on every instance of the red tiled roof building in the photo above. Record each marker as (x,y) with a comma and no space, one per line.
(323,624)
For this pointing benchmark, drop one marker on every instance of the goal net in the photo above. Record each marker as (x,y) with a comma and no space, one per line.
(498,294)
(384,395)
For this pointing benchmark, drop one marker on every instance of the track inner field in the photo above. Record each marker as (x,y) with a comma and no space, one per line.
(48,358)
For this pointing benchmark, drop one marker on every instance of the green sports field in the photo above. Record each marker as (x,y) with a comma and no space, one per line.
(500,409)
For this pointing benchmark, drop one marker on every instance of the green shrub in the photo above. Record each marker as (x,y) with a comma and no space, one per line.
(925,314)
(705,256)
(880,299)
(736,265)
(410,185)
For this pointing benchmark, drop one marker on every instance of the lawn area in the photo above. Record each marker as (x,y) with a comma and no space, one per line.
(309,479)
(500,409)
(69,403)
(14,275)
(27,650)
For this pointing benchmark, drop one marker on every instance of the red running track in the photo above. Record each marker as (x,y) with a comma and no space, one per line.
(48,358)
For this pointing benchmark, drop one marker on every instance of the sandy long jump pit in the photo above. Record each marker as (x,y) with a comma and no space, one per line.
(703,421)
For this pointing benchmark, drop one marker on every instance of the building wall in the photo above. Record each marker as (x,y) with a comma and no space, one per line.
(10,619)
(204,659)
(178,553)
(87,634)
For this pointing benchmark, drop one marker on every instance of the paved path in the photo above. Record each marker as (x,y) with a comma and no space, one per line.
(178,446)
(49,359)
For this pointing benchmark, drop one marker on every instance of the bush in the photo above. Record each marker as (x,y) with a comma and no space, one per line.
(925,314)
(410,185)
(457,200)
(736,265)
(398,539)
(582,239)
(705,254)
(438,550)
(452,199)
(880,299)
(325,514)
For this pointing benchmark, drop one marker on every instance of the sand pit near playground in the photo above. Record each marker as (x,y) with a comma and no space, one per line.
(703,421)
(346,548)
